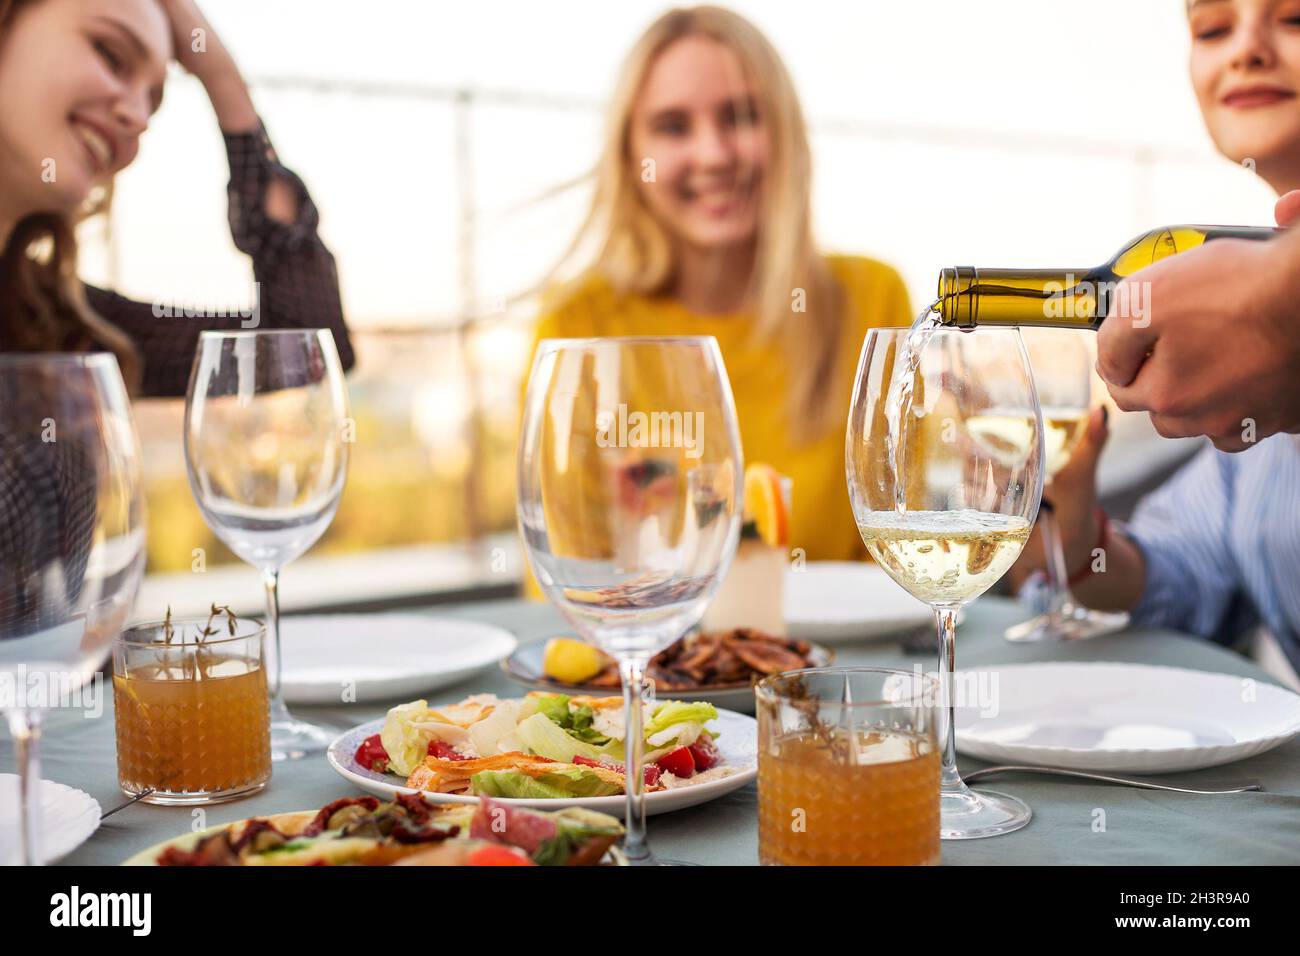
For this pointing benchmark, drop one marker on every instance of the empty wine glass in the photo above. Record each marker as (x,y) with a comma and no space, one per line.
(1063,374)
(944,501)
(629,502)
(72,539)
(266,444)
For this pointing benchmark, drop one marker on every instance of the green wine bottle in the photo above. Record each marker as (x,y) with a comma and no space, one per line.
(1068,298)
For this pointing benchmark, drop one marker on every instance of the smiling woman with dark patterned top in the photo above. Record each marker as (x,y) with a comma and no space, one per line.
(79,83)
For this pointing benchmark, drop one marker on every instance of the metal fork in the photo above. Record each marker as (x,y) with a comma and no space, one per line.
(122,806)
(1128,782)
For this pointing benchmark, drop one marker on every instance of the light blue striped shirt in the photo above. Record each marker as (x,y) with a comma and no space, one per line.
(1222,545)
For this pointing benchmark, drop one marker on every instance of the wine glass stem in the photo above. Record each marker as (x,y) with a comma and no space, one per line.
(271,579)
(632,671)
(25,728)
(946,619)
(1055,570)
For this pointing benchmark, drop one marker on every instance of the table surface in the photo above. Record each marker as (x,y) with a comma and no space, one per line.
(1141,826)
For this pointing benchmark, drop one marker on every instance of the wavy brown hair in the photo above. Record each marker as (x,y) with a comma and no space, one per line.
(43,304)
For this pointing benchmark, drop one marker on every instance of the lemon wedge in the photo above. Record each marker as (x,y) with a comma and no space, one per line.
(571,661)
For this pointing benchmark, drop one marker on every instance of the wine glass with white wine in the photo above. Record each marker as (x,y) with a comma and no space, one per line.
(629,503)
(267,433)
(1063,374)
(944,512)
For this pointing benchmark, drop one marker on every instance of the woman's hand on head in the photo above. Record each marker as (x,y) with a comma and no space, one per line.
(198,48)
(200,51)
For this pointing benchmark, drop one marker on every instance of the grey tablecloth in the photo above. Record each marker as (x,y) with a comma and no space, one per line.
(1141,826)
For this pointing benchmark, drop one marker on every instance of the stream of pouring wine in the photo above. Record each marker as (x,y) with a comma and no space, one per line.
(898,401)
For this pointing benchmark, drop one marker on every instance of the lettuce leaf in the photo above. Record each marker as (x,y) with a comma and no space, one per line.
(581,719)
(576,721)
(558,784)
(672,712)
(677,735)
(544,737)
(406,744)
(557,850)
(575,826)
(554,706)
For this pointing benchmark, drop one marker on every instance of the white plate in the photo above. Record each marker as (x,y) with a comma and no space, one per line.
(847,600)
(737,744)
(68,818)
(383,656)
(1122,718)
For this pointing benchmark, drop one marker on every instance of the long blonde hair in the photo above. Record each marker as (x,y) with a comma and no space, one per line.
(43,304)
(633,252)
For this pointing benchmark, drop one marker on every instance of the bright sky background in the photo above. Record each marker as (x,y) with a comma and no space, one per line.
(1003,132)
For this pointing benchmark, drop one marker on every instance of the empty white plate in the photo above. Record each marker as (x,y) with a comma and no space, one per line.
(68,818)
(383,656)
(1122,718)
(830,601)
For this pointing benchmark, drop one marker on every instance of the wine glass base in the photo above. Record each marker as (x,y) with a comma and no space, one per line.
(966,814)
(293,739)
(1080,624)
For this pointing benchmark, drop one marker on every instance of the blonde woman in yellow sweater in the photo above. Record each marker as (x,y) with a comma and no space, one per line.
(701,225)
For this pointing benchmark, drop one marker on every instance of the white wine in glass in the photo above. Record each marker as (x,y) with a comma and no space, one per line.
(944,556)
(72,541)
(267,433)
(944,459)
(1063,429)
(1010,433)
(629,503)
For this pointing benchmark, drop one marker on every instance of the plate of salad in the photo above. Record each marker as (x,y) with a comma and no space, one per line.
(548,750)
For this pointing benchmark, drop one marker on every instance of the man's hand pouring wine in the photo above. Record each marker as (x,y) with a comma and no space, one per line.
(1208,341)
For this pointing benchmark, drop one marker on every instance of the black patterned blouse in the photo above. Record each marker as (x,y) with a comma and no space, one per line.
(48,488)
(297,280)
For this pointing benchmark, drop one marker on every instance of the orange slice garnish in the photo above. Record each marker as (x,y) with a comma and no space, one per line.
(765,505)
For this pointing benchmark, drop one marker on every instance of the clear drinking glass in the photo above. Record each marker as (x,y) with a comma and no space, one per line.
(190,710)
(945,484)
(630,502)
(266,444)
(848,768)
(1063,374)
(72,538)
